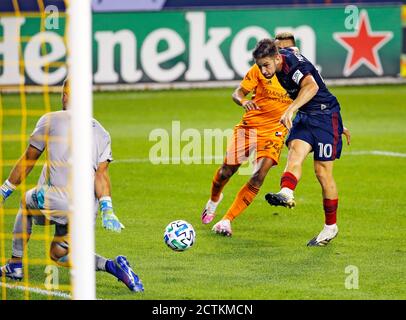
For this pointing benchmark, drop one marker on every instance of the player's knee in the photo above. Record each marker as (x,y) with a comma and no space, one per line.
(320,173)
(53,255)
(324,176)
(294,160)
(61,260)
(296,156)
(57,251)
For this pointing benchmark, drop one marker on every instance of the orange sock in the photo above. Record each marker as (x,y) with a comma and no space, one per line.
(217,186)
(243,199)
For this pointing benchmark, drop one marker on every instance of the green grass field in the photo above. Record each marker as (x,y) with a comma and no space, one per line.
(267,257)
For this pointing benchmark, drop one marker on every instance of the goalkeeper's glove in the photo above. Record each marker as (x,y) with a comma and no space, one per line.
(6,190)
(109,219)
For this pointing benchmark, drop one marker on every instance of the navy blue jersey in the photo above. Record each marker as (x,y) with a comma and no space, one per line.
(295,68)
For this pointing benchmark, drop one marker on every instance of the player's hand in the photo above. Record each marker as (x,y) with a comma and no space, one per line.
(347,134)
(111,222)
(249,105)
(286,119)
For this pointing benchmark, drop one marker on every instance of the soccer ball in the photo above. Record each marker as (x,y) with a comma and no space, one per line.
(179,235)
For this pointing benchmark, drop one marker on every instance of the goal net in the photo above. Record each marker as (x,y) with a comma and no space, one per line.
(38,50)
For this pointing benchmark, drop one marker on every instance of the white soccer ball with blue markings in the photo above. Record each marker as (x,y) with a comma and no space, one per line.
(179,235)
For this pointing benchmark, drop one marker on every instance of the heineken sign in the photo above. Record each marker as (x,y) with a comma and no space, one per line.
(161,47)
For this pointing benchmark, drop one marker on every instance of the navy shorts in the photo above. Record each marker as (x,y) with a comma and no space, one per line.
(322,131)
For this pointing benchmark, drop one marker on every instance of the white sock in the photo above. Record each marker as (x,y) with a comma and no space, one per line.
(218,201)
(288,192)
(212,206)
(214,203)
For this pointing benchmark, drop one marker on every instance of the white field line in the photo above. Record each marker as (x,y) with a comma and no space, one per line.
(169,160)
(376,153)
(215,158)
(59,294)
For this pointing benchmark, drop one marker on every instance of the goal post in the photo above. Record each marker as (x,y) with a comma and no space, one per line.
(80,76)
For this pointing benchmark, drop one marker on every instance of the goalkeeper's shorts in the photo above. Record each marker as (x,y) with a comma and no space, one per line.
(61,230)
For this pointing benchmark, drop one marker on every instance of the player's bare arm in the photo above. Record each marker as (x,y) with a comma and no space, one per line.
(24,165)
(103,193)
(239,97)
(308,89)
(20,171)
(102,181)
(347,135)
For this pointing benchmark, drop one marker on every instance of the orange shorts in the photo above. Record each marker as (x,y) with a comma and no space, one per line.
(265,142)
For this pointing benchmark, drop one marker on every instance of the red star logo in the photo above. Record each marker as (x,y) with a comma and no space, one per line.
(363,45)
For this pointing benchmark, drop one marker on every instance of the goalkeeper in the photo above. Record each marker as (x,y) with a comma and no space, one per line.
(49,201)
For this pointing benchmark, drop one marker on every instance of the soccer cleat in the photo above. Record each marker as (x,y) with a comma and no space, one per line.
(124,273)
(209,211)
(223,227)
(280,199)
(13,271)
(325,236)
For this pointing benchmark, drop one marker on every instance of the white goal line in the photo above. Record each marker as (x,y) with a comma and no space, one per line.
(40,291)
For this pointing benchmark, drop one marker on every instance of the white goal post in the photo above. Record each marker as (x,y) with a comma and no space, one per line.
(79,45)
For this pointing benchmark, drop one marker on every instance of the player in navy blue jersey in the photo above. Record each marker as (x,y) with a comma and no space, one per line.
(286,40)
(316,128)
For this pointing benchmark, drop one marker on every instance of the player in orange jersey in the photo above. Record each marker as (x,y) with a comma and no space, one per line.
(259,130)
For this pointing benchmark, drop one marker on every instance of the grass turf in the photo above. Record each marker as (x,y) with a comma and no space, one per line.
(267,257)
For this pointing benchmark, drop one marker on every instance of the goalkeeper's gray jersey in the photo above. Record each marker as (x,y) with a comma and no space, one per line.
(52,133)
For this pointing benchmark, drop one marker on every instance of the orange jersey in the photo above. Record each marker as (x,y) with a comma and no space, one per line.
(269,96)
